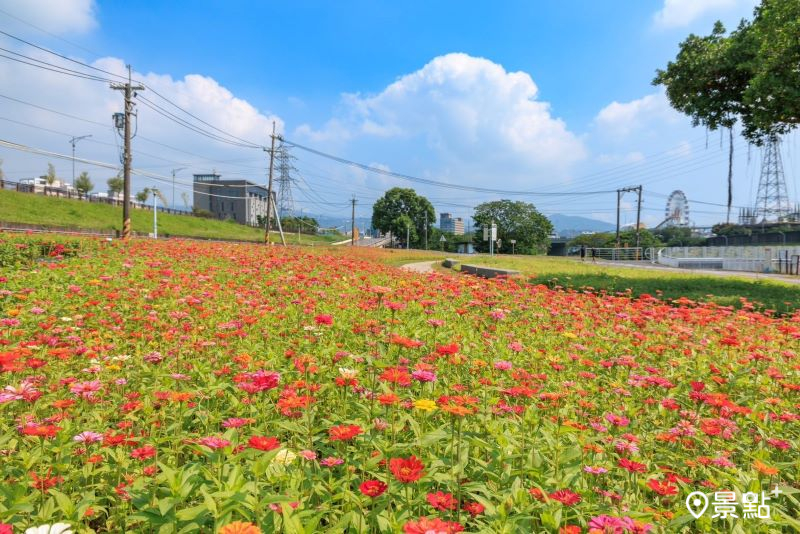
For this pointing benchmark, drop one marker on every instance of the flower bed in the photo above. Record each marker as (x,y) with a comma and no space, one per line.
(198,387)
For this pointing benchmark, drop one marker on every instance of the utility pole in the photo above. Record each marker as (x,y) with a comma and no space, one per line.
(269,187)
(638,214)
(353,222)
(173,183)
(426,229)
(128,89)
(620,192)
(72,142)
(619,199)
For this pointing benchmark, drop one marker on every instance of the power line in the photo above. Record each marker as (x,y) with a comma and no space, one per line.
(43,49)
(426,181)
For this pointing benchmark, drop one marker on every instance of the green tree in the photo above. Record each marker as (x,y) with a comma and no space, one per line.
(400,209)
(143,195)
(678,236)
(83,184)
(593,240)
(515,220)
(51,177)
(115,185)
(750,75)
(307,225)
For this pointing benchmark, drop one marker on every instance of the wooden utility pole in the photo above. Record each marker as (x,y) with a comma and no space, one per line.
(619,199)
(128,89)
(353,222)
(638,214)
(269,187)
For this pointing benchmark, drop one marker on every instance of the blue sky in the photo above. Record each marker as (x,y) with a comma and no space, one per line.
(533,96)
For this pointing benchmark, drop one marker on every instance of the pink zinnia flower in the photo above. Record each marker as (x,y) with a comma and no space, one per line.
(330,461)
(502,365)
(424,376)
(236,422)
(86,389)
(308,455)
(88,437)
(617,420)
(595,470)
(213,442)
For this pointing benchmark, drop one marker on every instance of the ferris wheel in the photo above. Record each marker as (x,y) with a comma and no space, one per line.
(677,210)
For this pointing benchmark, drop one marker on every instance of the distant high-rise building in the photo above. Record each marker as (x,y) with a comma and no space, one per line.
(448,223)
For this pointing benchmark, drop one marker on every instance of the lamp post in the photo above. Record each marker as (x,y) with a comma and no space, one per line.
(72,142)
(155,212)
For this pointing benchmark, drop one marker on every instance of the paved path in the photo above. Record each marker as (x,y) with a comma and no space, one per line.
(705,272)
(419,267)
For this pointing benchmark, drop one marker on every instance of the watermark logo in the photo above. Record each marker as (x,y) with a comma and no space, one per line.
(725,504)
(697,503)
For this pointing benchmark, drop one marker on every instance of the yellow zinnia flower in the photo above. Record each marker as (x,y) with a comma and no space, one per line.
(425,404)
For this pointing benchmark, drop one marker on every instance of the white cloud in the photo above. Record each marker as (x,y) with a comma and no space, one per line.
(465,116)
(54,16)
(95,101)
(621,119)
(681,13)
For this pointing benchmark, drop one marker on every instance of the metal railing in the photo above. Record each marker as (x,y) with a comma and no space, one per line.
(64,192)
(759,259)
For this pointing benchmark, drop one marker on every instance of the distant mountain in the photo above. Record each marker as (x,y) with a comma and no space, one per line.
(569,225)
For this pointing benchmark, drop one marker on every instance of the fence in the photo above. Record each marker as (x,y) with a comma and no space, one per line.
(63,192)
(778,259)
(617,254)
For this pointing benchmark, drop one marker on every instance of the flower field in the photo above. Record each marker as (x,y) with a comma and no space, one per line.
(197,387)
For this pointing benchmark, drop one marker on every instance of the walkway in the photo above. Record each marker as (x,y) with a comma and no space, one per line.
(419,267)
(706,272)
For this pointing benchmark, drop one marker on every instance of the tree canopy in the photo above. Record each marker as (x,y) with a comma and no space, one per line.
(400,209)
(116,185)
(515,220)
(83,184)
(751,75)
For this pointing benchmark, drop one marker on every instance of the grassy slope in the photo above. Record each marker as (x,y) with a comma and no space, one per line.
(26,208)
(572,273)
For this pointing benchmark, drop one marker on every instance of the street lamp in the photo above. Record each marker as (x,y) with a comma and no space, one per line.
(155,192)
(72,142)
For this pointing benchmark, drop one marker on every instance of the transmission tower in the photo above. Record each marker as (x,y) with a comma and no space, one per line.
(772,201)
(285,181)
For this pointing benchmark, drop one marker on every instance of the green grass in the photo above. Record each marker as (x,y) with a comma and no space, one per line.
(783,297)
(26,208)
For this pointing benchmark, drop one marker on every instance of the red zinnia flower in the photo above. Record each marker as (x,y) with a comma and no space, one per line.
(372,488)
(324,319)
(263,443)
(630,465)
(662,487)
(442,501)
(473,508)
(406,470)
(432,526)
(565,497)
(344,432)
(143,453)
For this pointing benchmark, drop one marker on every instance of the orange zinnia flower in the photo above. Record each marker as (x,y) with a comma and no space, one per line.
(764,469)
(240,527)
